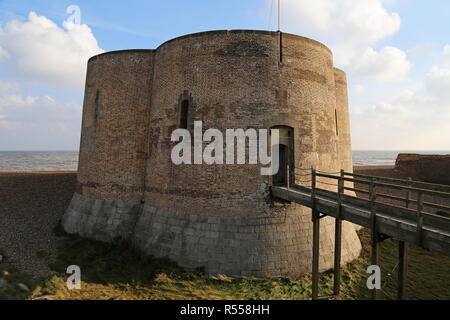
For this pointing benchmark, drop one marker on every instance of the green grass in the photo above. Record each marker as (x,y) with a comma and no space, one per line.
(117,271)
(10,278)
(428,272)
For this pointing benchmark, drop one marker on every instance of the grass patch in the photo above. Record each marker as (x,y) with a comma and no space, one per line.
(428,272)
(118,271)
(10,278)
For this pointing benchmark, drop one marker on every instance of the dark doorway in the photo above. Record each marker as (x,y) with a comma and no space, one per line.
(280,178)
(286,157)
(184,114)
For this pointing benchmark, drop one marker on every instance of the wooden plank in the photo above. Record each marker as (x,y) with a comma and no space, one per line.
(435,237)
(437,187)
(435,206)
(445,195)
(408,195)
(338,240)
(315,257)
(315,240)
(387,196)
(357,190)
(375,245)
(396,212)
(436,240)
(420,219)
(405,188)
(402,269)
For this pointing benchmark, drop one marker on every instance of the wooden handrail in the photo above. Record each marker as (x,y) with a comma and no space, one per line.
(406,181)
(387,185)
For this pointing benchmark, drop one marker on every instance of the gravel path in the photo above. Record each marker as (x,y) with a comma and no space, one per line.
(31,205)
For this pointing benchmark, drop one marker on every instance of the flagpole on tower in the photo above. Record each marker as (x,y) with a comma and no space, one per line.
(279,16)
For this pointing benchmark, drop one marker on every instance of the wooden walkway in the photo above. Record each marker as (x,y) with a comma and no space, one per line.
(417,217)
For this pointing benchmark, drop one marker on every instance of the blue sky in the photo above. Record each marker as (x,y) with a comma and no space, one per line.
(396,54)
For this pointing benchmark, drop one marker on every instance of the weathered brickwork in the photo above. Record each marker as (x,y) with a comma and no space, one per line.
(343,121)
(221,217)
(115,125)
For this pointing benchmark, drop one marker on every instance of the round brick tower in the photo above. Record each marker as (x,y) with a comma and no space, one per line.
(222,216)
(114,134)
(343,121)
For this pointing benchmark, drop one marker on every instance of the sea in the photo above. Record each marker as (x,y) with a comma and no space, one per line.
(11,161)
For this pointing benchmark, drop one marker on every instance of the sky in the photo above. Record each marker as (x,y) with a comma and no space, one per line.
(396,54)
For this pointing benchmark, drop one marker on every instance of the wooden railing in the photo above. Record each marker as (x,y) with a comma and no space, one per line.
(415,191)
(417,196)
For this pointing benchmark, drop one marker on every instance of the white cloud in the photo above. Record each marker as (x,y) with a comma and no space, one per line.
(36,122)
(417,119)
(38,50)
(388,108)
(408,122)
(389,64)
(420,51)
(446,56)
(3,53)
(358,88)
(7,87)
(351,28)
(364,22)
(437,83)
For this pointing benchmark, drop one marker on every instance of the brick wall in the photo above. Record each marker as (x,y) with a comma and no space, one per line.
(221,217)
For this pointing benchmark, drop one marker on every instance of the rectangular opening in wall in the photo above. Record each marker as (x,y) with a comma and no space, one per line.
(184,114)
(286,156)
(336,119)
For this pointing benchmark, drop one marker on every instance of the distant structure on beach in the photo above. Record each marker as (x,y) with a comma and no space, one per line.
(220,217)
(431,168)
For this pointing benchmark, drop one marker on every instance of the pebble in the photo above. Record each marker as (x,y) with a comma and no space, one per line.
(23,287)
(31,206)
(47,297)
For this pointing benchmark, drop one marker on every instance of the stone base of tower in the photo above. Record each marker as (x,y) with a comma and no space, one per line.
(235,246)
(103,220)
(261,246)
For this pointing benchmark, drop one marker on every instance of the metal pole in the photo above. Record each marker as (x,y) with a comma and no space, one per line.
(279,16)
(316,240)
(338,239)
(402,269)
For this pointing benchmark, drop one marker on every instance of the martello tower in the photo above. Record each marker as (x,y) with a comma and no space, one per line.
(221,217)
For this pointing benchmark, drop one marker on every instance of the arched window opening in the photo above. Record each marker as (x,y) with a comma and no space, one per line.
(184,114)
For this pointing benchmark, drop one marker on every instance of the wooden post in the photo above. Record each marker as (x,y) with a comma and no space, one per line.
(375,245)
(419,217)
(408,194)
(402,269)
(338,239)
(403,256)
(288,182)
(315,240)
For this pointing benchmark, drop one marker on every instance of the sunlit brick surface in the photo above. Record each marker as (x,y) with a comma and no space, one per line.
(220,217)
